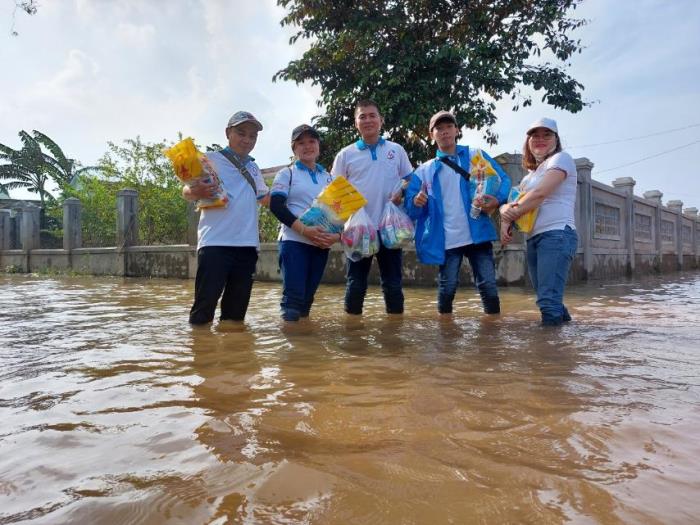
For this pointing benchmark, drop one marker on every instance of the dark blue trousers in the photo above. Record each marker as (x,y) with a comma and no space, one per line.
(302,268)
(390,278)
(223,269)
(480,258)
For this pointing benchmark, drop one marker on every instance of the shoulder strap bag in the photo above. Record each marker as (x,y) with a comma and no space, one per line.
(459,169)
(241,168)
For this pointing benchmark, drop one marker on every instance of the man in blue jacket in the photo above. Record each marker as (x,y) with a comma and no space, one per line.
(440,198)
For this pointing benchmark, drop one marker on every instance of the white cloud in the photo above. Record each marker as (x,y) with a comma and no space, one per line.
(67,88)
(91,71)
(133,35)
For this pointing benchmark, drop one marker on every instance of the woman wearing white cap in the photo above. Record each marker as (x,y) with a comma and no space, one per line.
(550,186)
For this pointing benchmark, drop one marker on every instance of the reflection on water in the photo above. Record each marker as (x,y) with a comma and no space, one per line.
(114,410)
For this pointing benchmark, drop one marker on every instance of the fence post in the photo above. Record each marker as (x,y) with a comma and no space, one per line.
(127,218)
(677,207)
(655,197)
(626,186)
(29,227)
(692,214)
(72,224)
(585,218)
(5,229)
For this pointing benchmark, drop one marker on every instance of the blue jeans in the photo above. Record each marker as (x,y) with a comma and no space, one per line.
(480,258)
(302,267)
(549,256)
(390,262)
(223,269)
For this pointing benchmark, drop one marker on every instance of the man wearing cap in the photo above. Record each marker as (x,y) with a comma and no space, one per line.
(227,237)
(440,199)
(303,250)
(375,166)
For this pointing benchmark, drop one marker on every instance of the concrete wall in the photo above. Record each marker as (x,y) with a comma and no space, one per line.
(620,234)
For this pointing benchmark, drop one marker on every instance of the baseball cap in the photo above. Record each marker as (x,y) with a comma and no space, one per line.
(304,128)
(546,123)
(439,116)
(239,117)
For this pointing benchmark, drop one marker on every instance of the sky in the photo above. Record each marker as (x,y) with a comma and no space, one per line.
(86,72)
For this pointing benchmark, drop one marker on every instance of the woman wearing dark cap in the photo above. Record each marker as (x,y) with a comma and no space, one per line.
(303,250)
(550,187)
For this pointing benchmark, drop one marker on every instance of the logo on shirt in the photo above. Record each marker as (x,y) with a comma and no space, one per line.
(390,155)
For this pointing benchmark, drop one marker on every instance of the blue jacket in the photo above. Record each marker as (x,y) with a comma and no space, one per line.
(430,230)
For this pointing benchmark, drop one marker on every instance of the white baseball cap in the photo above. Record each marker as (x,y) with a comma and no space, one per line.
(544,122)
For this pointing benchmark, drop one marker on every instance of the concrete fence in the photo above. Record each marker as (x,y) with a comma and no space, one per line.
(620,234)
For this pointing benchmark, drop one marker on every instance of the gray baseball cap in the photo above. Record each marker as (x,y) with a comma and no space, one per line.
(439,117)
(239,117)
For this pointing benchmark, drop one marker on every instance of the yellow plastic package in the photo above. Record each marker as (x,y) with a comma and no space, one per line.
(192,165)
(342,197)
(526,222)
(332,207)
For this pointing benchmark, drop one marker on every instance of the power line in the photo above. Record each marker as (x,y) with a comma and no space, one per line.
(647,158)
(635,138)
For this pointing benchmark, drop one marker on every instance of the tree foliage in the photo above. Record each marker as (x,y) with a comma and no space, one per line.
(39,161)
(415,57)
(28,6)
(140,166)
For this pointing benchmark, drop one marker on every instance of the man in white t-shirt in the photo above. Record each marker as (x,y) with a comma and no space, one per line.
(227,237)
(441,197)
(376,167)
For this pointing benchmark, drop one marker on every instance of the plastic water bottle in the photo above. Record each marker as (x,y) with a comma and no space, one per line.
(475,210)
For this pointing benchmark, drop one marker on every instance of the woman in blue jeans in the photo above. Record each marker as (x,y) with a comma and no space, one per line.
(550,186)
(303,250)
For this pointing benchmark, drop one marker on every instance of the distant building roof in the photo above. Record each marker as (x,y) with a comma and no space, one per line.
(269,173)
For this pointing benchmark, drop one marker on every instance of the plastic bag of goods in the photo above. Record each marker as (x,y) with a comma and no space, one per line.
(191,165)
(359,238)
(526,222)
(395,227)
(333,206)
(484,180)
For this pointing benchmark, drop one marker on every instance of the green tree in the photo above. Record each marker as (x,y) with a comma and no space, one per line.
(28,6)
(62,170)
(32,166)
(415,57)
(140,166)
(25,167)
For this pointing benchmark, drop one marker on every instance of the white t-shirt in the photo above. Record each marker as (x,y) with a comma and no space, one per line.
(455,221)
(237,223)
(375,174)
(304,188)
(557,210)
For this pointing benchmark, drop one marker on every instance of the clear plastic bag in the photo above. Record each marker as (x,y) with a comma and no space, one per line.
(484,180)
(320,214)
(359,238)
(395,227)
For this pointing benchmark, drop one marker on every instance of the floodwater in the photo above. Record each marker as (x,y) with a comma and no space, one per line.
(114,410)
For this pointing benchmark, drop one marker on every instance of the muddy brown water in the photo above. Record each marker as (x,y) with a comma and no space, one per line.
(114,410)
